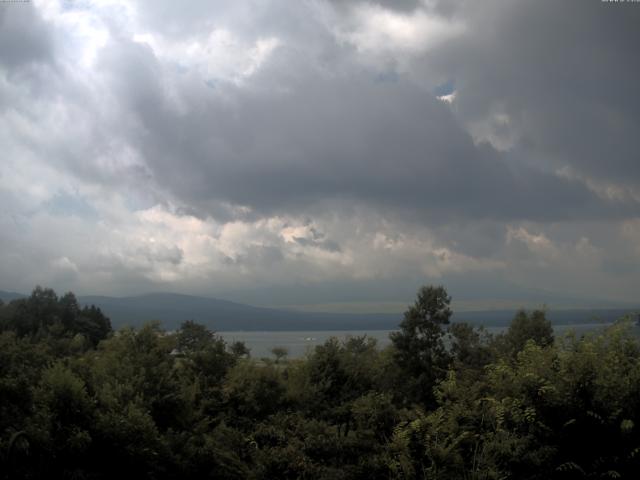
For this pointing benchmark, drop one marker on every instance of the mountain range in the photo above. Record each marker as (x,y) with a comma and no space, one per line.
(171,309)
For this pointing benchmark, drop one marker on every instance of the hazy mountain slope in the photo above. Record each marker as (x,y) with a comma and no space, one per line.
(172,309)
(8,296)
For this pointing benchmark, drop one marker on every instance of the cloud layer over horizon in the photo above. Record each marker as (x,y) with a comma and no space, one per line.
(249,149)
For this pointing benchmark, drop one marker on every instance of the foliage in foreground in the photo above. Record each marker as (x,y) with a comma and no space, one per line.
(444,401)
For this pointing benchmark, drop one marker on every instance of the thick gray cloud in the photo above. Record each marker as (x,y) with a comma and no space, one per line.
(24,37)
(233,146)
(564,75)
(387,144)
(401,5)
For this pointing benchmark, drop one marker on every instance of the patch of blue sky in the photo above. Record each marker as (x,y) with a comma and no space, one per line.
(446,88)
(66,204)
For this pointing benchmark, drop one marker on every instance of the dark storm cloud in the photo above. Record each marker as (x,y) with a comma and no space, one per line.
(388,144)
(566,74)
(295,135)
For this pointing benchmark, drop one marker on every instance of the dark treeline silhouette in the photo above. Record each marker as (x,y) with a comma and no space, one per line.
(443,401)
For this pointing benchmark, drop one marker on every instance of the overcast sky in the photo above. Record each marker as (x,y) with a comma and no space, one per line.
(319,152)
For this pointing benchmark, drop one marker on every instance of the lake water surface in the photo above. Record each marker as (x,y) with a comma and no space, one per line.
(298,343)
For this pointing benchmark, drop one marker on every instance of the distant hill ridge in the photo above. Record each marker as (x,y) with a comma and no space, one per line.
(8,296)
(171,309)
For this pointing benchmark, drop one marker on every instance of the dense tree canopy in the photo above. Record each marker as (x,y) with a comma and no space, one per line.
(444,401)
(419,347)
(43,314)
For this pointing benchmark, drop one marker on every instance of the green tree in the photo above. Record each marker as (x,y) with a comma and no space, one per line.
(45,316)
(524,327)
(280,353)
(254,391)
(203,364)
(469,347)
(419,347)
(193,337)
(61,425)
(339,373)
(93,324)
(239,349)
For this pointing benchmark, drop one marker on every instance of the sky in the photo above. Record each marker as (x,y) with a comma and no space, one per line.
(312,153)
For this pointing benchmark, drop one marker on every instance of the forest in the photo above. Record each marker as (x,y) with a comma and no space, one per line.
(444,401)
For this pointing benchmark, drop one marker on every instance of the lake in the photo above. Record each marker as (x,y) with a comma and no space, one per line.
(298,343)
